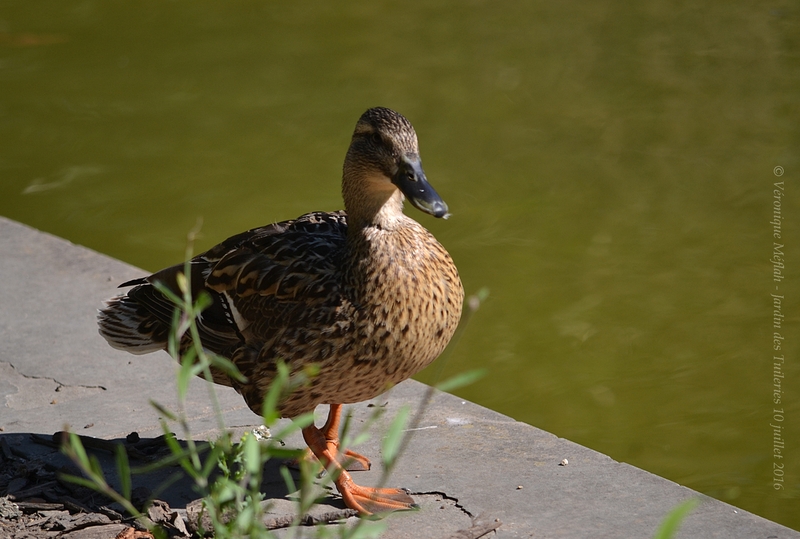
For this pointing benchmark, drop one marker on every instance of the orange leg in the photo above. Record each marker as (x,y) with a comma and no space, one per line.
(352,461)
(365,500)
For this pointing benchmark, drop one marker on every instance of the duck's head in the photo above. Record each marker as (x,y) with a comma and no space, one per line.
(382,166)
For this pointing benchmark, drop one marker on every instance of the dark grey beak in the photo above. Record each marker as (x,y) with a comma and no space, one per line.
(411,180)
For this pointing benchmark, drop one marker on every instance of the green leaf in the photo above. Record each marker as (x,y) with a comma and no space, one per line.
(123,471)
(461,380)
(269,408)
(288,480)
(203,301)
(165,462)
(298,423)
(361,438)
(76,450)
(184,374)
(227,366)
(308,471)
(82,481)
(163,411)
(186,456)
(170,295)
(482,294)
(226,491)
(214,459)
(366,530)
(173,341)
(245,518)
(671,523)
(183,283)
(252,455)
(277,452)
(95,468)
(391,444)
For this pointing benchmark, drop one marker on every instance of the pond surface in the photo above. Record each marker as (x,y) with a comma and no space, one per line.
(610,166)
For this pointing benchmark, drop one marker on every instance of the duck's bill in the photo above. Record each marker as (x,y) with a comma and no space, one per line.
(411,180)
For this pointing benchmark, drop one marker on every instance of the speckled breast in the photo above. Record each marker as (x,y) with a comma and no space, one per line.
(407,299)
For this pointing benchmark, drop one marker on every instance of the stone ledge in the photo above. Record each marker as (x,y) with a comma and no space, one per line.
(463,461)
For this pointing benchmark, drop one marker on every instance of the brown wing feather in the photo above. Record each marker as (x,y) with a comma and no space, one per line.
(272,280)
(260,281)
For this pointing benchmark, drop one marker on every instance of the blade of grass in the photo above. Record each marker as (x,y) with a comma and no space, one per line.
(123,471)
(669,526)
(394,437)
(462,379)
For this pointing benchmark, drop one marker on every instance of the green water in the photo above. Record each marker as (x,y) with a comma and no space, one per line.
(609,166)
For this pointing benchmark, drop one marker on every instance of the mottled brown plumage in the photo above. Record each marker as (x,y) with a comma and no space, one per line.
(366,294)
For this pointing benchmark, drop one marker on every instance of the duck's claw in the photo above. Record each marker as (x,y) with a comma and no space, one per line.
(354,462)
(366,500)
(350,460)
(371,501)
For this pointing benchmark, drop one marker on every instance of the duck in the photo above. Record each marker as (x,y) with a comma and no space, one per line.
(363,298)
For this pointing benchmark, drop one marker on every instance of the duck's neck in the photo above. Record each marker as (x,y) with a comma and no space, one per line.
(380,204)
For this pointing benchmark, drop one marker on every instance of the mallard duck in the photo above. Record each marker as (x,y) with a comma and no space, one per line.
(367,295)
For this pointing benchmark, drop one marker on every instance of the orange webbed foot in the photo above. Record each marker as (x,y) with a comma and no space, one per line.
(350,460)
(371,501)
(354,462)
(366,500)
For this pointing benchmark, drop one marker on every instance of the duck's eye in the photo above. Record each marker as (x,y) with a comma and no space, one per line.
(376,139)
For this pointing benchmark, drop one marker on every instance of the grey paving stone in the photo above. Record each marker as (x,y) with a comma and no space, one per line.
(462,460)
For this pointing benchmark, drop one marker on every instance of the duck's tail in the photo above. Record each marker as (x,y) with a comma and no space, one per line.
(127,325)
